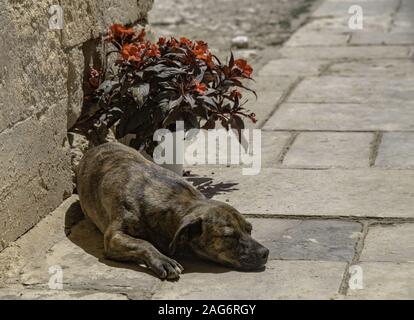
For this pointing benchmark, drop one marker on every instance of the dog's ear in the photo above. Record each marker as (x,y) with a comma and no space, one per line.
(189,228)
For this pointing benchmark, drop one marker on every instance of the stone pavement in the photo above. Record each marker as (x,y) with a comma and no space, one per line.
(334,201)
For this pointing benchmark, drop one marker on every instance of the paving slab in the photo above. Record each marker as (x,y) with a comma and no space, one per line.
(272,145)
(280,280)
(324,240)
(370,7)
(39,239)
(30,294)
(269,89)
(76,246)
(374,68)
(332,192)
(343,117)
(404,19)
(269,84)
(331,89)
(329,150)
(84,268)
(306,38)
(346,53)
(340,25)
(393,243)
(385,281)
(380,38)
(396,150)
(292,67)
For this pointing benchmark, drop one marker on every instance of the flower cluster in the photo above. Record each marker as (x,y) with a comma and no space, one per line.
(152,85)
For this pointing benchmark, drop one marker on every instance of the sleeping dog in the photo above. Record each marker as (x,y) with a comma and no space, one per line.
(146,212)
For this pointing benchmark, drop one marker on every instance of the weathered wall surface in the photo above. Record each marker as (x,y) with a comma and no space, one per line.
(41,75)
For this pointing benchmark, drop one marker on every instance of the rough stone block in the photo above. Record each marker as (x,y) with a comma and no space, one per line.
(89,19)
(35,170)
(40,95)
(76,65)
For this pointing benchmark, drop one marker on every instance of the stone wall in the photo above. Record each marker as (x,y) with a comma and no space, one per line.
(41,75)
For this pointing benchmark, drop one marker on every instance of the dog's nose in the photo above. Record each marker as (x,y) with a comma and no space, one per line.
(263,253)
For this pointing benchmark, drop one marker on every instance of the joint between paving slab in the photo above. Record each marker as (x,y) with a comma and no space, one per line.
(397,9)
(375,144)
(287,146)
(283,98)
(325,68)
(349,38)
(112,289)
(331,130)
(359,246)
(360,219)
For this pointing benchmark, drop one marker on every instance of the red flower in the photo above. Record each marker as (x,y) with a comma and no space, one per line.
(244,67)
(141,36)
(119,33)
(131,52)
(173,43)
(200,87)
(209,61)
(161,41)
(153,51)
(94,78)
(200,50)
(185,41)
(94,73)
(235,93)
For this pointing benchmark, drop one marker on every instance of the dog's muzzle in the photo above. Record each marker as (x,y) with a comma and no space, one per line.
(256,258)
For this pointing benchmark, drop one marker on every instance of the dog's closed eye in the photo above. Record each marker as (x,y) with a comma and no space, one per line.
(228,232)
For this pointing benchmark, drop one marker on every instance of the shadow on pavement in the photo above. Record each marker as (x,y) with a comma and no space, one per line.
(207,186)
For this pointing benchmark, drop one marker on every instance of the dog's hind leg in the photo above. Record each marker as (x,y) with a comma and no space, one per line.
(122,247)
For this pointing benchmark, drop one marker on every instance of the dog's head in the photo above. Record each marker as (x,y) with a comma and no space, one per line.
(218,232)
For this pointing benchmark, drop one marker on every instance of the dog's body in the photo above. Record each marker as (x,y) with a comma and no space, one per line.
(143,210)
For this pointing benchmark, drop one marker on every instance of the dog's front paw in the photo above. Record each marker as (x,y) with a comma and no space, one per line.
(166,268)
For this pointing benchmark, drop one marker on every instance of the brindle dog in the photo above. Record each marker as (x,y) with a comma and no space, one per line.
(143,210)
